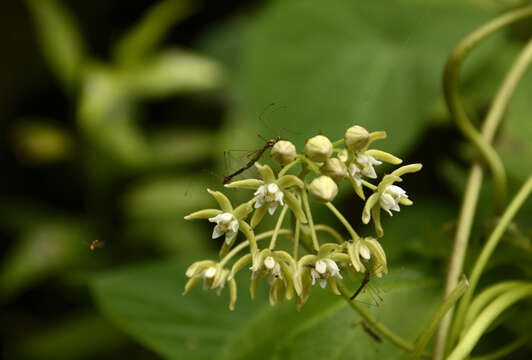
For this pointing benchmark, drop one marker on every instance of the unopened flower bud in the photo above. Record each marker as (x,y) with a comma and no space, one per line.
(334,169)
(356,138)
(283,152)
(323,188)
(318,148)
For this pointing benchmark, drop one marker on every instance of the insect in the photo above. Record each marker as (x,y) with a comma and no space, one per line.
(364,282)
(96,244)
(258,154)
(370,332)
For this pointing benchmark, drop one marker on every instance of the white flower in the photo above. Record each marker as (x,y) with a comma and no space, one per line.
(208,275)
(363,165)
(226,224)
(390,198)
(269,268)
(269,195)
(323,269)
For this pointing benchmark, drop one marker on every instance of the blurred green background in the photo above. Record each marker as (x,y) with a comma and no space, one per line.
(115,116)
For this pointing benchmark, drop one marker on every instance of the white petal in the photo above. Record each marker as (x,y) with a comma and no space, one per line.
(364,252)
(273,188)
(260,191)
(229,236)
(333,268)
(210,272)
(259,202)
(323,283)
(396,190)
(387,201)
(217,232)
(272,207)
(269,262)
(353,170)
(215,219)
(338,275)
(321,266)
(233,226)
(226,217)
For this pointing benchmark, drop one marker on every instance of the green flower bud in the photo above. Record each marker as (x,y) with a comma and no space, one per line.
(356,138)
(335,169)
(283,152)
(323,189)
(318,148)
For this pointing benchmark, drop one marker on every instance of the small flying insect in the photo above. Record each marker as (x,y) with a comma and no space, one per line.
(370,332)
(96,244)
(256,157)
(364,282)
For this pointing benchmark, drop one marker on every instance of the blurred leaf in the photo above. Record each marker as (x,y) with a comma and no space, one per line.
(146,302)
(167,196)
(176,146)
(173,71)
(59,38)
(151,29)
(39,141)
(42,251)
(515,143)
(80,337)
(107,117)
(375,63)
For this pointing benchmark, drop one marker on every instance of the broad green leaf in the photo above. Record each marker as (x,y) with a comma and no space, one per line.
(59,38)
(172,72)
(374,63)
(145,301)
(150,30)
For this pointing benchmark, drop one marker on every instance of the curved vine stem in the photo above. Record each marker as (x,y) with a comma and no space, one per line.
(342,219)
(326,228)
(488,130)
(486,253)
(450,87)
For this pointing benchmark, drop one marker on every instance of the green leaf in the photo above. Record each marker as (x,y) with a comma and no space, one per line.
(145,301)
(172,72)
(59,39)
(151,29)
(373,63)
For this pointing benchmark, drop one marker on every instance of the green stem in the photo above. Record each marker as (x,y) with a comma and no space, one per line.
(342,219)
(484,298)
(297,233)
(484,320)
(277,227)
(326,228)
(436,319)
(338,142)
(310,220)
(244,244)
(379,328)
(369,185)
(451,92)
(489,127)
(287,167)
(486,253)
(310,164)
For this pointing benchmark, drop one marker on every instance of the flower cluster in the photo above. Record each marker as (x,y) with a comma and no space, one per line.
(323,166)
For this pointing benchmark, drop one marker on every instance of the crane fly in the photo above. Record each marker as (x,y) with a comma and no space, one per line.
(256,157)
